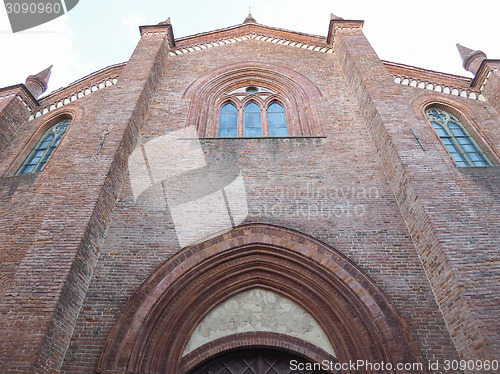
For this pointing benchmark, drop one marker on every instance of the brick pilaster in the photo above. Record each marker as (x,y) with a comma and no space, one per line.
(46,292)
(445,238)
(16,104)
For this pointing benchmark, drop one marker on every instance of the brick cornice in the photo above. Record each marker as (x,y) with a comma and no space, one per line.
(85,86)
(485,69)
(315,44)
(22,93)
(248,29)
(450,84)
(161,29)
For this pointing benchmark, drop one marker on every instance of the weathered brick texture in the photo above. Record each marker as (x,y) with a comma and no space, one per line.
(15,105)
(454,231)
(78,248)
(53,222)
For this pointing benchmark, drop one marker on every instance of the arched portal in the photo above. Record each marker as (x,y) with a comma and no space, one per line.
(158,321)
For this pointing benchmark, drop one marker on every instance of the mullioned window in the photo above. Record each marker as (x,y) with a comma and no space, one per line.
(44,148)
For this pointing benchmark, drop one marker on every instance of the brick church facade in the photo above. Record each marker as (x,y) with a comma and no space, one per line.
(248,198)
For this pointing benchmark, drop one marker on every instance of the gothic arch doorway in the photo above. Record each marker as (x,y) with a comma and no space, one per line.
(155,326)
(257,361)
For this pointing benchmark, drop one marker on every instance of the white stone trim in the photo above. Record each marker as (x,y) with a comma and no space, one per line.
(149,33)
(264,38)
(74,96)
(487,77)
(438,87)
(6,96)
(24,102)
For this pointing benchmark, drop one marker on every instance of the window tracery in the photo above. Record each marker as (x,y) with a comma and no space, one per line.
(252,111)
(262,83)
(462,147)
(43,150)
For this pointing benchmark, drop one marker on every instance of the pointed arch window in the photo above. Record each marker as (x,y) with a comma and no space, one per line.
(276,120)
(228,121)
(458,141)
(252,112)
(43,150)
(252,126)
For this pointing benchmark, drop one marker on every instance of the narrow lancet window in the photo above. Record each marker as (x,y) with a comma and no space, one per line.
(252,120)
(457,140)
(42,151)
(228,121)
(276,120)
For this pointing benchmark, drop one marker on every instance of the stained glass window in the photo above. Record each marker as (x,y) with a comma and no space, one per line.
(42,151)
(276,120)
(457,140)
(252,120)
(252,111)
(228,121)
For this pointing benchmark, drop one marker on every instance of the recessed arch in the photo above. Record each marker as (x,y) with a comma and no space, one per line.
(39,126)
(298,92)
(256,99)
(158,320)
(258,340)
(46,145)
(463,113)
(258,310)
(460,144)
(274,98)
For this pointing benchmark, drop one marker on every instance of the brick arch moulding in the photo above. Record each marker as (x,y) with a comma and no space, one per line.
(464,113)
(157,322)
(208,91)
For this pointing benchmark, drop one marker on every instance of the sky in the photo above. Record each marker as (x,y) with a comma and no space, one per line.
(99,33)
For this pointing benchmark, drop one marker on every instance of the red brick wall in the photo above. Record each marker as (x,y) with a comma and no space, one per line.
(445,208)
(53,222)
(13,113)
(491,88)
(426,232)
(344,164)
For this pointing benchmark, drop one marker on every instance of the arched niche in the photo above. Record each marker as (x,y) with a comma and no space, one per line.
(296,92)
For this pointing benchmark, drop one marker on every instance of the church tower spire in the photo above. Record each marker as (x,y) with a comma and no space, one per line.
(472,58)
(249,19)
(38,83)
(334,17)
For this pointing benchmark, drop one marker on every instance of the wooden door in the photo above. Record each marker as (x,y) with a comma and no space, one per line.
(253,362)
